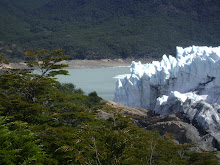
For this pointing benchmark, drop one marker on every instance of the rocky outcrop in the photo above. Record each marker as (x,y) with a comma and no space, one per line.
(182,128)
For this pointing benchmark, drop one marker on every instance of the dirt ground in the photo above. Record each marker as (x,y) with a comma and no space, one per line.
(90,63)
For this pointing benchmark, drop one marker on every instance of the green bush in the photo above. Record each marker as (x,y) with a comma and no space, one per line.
(18,144)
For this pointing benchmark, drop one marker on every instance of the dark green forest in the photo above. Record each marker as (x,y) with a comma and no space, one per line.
(94,29)
(45,122)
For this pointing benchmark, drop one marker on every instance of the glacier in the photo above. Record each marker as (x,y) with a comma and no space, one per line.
(188,83)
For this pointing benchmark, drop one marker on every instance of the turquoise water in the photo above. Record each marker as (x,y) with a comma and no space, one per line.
(95,79)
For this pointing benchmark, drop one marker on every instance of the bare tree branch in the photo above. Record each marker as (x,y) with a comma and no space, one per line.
(94,148)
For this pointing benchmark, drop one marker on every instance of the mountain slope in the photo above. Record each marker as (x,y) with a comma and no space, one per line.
(111,29)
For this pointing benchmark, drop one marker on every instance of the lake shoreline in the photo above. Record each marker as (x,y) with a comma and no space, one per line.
(77,64)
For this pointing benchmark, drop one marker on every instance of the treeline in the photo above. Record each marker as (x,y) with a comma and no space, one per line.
(11,51)
(45,122)
(94,29)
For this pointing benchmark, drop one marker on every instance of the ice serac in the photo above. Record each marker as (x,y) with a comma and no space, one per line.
(169,85)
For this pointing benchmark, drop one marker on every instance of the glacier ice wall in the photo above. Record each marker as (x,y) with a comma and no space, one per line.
(195,69)
(189,83)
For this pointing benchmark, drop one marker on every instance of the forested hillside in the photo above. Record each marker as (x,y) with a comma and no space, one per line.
(95,29)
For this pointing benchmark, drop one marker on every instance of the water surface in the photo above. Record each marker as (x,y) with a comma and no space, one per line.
(100,80)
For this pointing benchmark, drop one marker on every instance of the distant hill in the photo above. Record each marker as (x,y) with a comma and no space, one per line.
(95,29)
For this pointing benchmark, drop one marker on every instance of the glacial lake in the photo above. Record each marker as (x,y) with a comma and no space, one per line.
(100,80)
